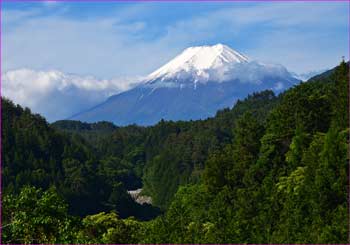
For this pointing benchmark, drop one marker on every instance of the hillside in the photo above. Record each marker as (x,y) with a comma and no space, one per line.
(44,157)
(272,169)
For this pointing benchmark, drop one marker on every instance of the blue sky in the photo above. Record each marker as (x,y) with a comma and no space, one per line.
(129,39)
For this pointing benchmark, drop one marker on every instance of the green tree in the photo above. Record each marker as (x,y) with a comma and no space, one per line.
(108,228)
(36,216)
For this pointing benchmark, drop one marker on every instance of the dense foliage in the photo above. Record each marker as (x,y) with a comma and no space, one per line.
(283,181)
(92,132)
(273,169)
(37,155)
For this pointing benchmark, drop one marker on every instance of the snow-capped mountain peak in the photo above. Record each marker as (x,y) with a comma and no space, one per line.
(198,61)
(194,85)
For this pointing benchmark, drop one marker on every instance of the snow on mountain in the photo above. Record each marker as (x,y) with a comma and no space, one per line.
(217,63)
(193,85)
(198,63)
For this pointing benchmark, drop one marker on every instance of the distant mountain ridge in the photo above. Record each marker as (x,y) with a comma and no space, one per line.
(194,85)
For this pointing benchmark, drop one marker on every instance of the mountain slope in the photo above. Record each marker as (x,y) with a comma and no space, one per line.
(194,85)
(36,154)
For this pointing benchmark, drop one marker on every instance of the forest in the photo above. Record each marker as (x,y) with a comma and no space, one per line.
(271,169)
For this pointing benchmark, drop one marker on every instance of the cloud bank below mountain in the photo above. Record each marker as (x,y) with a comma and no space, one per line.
(57,95)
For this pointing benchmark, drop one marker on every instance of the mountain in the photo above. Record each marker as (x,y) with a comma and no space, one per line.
(194,85)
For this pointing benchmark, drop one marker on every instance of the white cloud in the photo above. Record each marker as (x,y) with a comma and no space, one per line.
(57,95)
